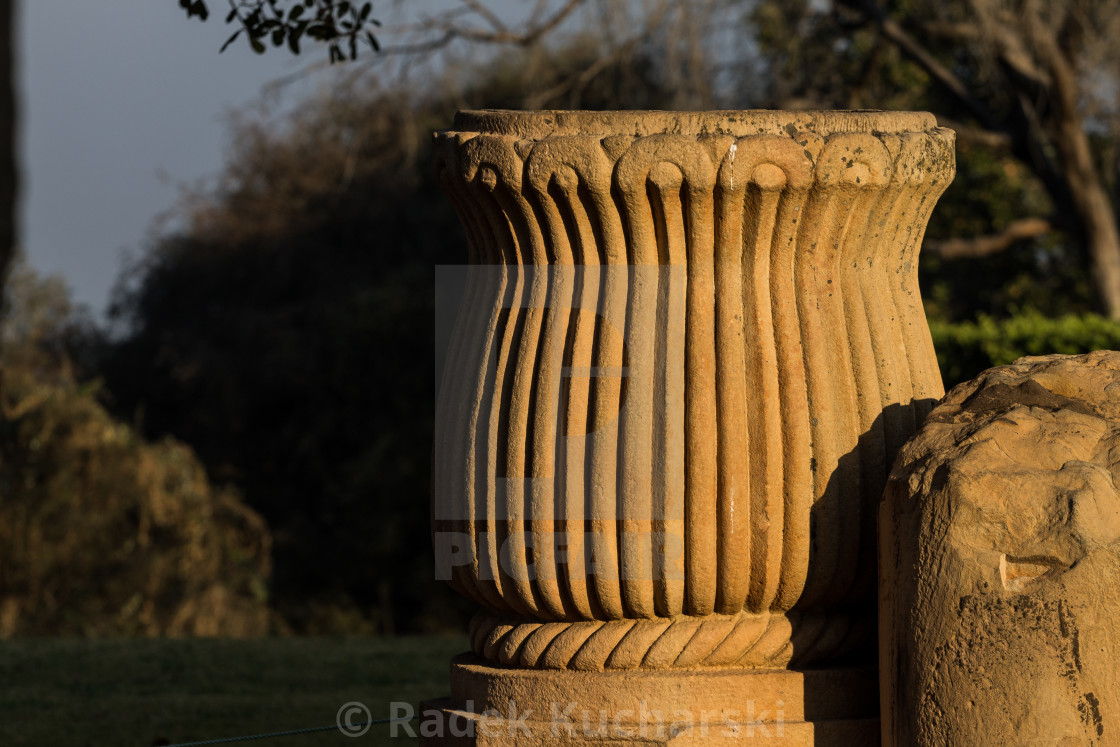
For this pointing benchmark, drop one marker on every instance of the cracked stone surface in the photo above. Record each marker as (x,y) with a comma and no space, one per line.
(999,560)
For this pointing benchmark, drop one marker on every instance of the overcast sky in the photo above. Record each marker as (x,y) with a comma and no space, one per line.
(122,102)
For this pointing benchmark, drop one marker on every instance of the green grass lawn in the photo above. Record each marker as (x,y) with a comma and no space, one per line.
(125,693)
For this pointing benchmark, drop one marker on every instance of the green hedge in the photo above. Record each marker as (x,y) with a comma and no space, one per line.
(967,348)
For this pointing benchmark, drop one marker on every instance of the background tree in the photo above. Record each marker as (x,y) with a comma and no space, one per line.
(1030,87)
(287,330)
(101,531)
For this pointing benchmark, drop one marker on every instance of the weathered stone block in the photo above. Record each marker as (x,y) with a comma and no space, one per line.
(999,561)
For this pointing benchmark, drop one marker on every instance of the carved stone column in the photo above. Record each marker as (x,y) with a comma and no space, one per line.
(689,348)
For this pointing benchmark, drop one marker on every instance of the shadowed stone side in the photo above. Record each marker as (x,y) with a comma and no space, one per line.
(1000,558)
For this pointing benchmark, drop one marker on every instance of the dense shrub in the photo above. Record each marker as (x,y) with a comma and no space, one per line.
(966,349)
(101,532)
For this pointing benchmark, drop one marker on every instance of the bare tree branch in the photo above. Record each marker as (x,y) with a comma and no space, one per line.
(486,13)
(894,32)
(523,38)
(580,79)
(952,31)
(427,22)
(1090,199)
(1001,30)
(976,135)
(422,47)
(1026,127)
(983,246)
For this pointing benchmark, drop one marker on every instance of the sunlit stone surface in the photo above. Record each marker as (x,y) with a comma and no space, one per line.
(689,348)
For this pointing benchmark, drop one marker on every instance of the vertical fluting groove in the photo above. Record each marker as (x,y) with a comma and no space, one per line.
(499,175)
(699,531)
(558,170)
(604,434)
(595,230)
(895,385)
(717,389)
(908,205)
(669,427)
(865,376)
(603,440)
(700,401)
(926,375)
(482,446)
(820,310)
(766,508)
(853,348)
(663,215)
(570,503)
(892,382)
(612,258)
(942,169)
(485,317)
(867,164)
(505,508)
(759,221)
(541,447)
(564,309)
(819,211)
(904,245)
(577,420)
(770,169)
(667,495)
(529,501)
(636,433)
(796,429)
(734,479)
(840,517)
(635,425)
(453,501)
(581,425)
(543,437)
(674,476)
(780,571)
(495,171)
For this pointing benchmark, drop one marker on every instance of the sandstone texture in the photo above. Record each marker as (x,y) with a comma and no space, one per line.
(689,348)
(999,562)
(729,706)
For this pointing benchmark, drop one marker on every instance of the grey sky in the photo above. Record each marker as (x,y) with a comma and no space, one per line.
(122,101)
(114,94)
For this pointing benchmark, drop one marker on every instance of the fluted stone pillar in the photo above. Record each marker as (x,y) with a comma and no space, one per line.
(689,346)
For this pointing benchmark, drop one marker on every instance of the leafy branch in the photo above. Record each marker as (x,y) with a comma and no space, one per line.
(341,24)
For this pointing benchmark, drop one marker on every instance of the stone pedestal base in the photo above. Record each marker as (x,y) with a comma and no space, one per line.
(496,706)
